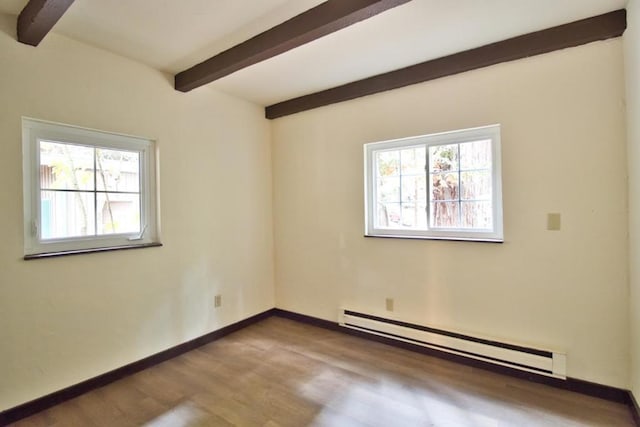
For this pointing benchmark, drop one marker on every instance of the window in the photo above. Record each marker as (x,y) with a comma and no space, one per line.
(440,186)
(86,189)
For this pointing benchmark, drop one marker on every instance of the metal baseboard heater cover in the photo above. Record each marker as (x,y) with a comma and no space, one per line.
(544,362)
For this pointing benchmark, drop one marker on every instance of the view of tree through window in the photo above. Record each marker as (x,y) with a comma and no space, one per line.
(88,191)
(459,186)
(441,186)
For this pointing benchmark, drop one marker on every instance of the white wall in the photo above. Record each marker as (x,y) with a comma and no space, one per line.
(563,150)
(632,63)
(67,319)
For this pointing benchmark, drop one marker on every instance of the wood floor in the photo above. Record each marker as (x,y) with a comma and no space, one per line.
(283,373)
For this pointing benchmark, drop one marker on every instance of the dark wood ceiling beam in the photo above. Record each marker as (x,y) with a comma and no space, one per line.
(600,27)
(38,18)
(317,22)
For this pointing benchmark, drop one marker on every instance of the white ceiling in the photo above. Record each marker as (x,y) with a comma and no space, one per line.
(179,34)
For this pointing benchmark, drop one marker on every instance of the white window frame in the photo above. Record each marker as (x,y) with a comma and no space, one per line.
(34,131)
(495,234)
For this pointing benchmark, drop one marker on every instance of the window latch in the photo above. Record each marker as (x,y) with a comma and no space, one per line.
(139,236)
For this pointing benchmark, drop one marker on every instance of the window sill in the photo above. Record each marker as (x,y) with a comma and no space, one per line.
(449,239)
(89,251)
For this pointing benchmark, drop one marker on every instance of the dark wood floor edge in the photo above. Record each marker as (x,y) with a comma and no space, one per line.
(635,409)
(310,320)
(601,391)
(27,409)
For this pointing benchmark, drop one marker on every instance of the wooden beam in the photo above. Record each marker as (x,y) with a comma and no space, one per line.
(38,18)
(328,17)
(600,27)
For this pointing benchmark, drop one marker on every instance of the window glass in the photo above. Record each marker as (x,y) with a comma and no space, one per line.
(440,186)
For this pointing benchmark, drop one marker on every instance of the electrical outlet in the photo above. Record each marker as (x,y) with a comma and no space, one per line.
(389,304)
(217,301)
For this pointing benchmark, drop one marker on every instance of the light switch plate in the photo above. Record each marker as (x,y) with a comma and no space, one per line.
(553,221)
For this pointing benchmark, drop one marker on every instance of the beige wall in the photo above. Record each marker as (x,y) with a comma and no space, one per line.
(68,319)
(563,150)
(632,62)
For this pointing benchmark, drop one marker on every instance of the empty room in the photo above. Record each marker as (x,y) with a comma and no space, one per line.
(320,213)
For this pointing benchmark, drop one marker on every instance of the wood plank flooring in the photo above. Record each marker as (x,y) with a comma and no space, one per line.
(283,373)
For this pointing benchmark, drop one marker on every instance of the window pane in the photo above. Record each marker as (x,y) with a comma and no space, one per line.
(476,185)
(388,163)
(443,158)
(477,215)
(445,215)
(65,166)
(414,188)
(118,213)
(66,214)
(118,170)
(388,189)
(444,187)
(475,155)
(388,215)
(413,160)
(414,215)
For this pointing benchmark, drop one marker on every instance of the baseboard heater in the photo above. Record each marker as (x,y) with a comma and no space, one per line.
(538,361)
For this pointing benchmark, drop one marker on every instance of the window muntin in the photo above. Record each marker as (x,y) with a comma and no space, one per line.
(444,186)
(86,189)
